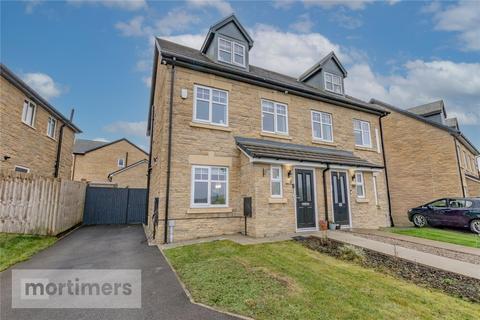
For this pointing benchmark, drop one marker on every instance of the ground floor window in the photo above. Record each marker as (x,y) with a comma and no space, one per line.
(360,185)
(276,181)
(209,186)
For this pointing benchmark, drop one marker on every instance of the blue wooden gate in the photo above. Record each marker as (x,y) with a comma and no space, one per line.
(115,206)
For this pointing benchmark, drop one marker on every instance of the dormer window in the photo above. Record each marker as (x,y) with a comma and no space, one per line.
(231,52)
(333,83)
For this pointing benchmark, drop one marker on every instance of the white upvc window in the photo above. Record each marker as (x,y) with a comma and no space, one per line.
(121,163)
(22,169)
(322,126)
(209,186)
(28,114)
(276,181)
(51,127)
(210,106)
(361,130)
(231,52)
(333,83)
(274,117)
(359,185)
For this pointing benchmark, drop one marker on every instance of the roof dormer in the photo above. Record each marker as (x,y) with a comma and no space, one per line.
(327,74)
(228,43)
(434,111)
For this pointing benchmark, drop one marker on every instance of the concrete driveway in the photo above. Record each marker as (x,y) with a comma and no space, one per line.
(110,247)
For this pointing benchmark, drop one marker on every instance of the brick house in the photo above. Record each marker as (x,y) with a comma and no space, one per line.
(35,137)
(120,163)
(223,130)
(427,157)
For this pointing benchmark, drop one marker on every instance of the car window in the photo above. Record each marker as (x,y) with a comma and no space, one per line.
(439,203)
(468,204)
(454,203)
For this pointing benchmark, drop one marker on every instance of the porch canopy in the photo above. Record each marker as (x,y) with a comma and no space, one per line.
(259,149)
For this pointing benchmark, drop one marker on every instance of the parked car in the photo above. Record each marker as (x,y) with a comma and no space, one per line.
(448,212)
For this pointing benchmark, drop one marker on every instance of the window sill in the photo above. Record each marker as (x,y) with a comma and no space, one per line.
(209,126)
(277,136)
(371,149)
(210,210)
(277,200)
(326,143)
(51,138)
(361,200)
(31,127)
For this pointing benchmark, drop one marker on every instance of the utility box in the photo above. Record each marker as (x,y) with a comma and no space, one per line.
(247,207)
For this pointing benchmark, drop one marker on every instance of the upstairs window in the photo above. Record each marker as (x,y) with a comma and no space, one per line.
(322,126)
(276,181)
(28,114)
(333,83)
(211,106)
(274,117)
(361,130)
(51,126)
(121,163)
(359,185)
(231,52)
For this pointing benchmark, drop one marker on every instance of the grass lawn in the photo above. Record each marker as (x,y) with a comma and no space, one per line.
(285,280)
(468,239)
(19,247)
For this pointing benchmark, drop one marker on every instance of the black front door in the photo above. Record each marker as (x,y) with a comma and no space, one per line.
(305,198)
(340,198)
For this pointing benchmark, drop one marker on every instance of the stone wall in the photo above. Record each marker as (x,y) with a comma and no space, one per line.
(135,177)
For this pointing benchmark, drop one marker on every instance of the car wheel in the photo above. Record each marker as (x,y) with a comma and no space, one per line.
(419,220)
(475,226)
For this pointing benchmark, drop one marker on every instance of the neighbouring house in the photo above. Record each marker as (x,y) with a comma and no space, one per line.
(118,163)
(227,137)
(34,136)
(427,157)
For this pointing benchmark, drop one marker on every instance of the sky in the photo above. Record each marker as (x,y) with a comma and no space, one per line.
(96,56)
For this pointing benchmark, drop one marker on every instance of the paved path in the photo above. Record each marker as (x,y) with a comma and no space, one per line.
(452,265)
(105,247)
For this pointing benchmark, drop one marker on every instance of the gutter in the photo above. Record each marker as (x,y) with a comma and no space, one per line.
(205,67)
(386,172)
(169,155)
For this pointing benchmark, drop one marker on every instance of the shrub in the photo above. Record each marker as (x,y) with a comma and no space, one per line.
(351,253)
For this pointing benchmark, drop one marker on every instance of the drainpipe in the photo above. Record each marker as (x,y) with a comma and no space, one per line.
(149,169)
(459,168)
(59,146)
(325,200)
(169,154)
(386,171)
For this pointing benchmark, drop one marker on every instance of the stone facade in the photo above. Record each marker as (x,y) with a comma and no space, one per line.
(96,165)
(134,177)
(422,164)
(201,144)
(30,146)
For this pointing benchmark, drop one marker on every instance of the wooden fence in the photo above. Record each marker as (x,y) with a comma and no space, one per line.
(39,205)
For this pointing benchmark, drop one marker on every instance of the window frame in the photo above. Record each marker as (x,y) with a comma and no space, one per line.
(54,127)
(370,145)
(275,116)
(209,184)
(21,167)
(123,163)
(34,113)
(210,106)
(232,52)
(340,84)
(276,180)
(321,113)
(360,184)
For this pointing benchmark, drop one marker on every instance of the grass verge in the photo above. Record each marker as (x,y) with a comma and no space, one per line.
(463,238)
(285,280)
(19,247)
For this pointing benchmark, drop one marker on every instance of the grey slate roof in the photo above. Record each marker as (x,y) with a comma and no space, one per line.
(259,148)
(429,108)
(168,48)
(452,123)
(33,95)
(319,65)
(82,146)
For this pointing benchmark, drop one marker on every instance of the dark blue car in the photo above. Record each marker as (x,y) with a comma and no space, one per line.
(448,212)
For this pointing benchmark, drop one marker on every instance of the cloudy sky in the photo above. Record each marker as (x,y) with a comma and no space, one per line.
(95,56)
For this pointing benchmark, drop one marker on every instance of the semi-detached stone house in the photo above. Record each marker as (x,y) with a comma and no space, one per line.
(226,134)
(119,163)
(427,158)
(34,136)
